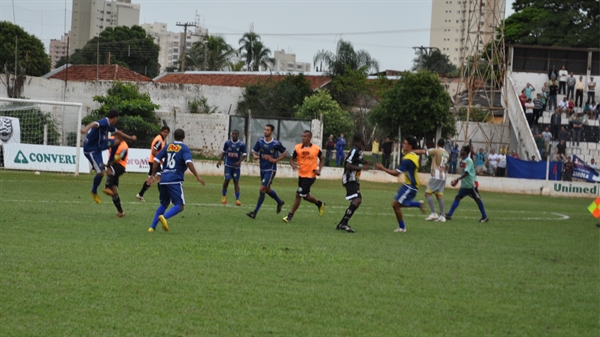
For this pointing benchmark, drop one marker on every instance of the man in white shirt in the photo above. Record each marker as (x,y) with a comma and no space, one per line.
(501,170)
(592,164)
(493,159)
(579,86)
(547,137)
(562,81)
(563,105)
(591,90)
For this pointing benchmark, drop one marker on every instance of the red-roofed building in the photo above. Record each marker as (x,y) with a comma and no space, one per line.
(232,79)
(85,73)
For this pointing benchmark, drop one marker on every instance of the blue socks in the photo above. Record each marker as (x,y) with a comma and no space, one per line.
(173,211)
(401,224)
(159,211)
(237,195)
(224,192)
(97,182)
(481,209)
(414,204)
(261,199)
(274,195)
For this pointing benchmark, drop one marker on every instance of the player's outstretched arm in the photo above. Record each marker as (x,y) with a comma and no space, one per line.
(387,170)
(87,128)
(124,135)
(192,169)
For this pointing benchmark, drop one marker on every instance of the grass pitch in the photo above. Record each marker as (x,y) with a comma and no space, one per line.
(69,267)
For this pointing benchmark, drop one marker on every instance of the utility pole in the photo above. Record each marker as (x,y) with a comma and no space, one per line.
(427,50)
(185,26)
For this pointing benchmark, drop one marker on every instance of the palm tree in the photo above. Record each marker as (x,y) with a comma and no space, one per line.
(345,56)
(212,53)
(260,57)
(246,49)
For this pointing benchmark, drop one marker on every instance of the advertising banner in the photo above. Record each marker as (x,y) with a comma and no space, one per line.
(10,130)
(581,170)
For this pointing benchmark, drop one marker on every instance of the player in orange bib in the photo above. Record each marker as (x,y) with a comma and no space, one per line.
(117,167)
(307,160)
(157,144)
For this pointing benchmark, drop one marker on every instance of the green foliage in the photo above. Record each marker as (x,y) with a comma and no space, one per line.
(275,98)
(563,23)
(129,47)
(212,54)
(435,62)
(254,52)
(31,53)
(136,111)
(335,119)
(200,106)
(418,104)
(345,58)
(31,124)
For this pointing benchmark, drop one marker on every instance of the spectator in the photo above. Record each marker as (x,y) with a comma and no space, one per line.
(561,150)
(538,108)
(563,134)
(563,105)
(553,92)
(545,91)
(591,97)
(579,86)
(501,169)
(593,111)
(547,137)
(539,142)
(454,153)
(523,98)
(577,125)
(493,159)
(587,109)
(514,154)
(562,80)
(555,122)
(480,162)
(340,145)
(533,158)
(568,170)
(571,86)
(386,152)
(448,145)
(592,164)
(529,89)
(570,107)
(529,106)
(329,148)
(375,151)
(552,73)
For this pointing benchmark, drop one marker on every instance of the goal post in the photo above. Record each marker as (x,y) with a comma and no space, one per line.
(41,135)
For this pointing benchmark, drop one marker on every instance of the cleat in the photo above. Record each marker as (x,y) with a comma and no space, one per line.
(448,216)
(150,230)
(223,200)
(164,222)
(279,206)
(322,209)
(347,229)
(140,198)
(484,219)
(251,214)
(441,219)
(400,230)
(108,191)
(120,215)
(285,219)
(238,203)
(432,217)
(96,198)
(338,227)
(422,206)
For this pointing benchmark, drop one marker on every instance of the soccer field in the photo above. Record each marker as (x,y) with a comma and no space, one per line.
(69,267)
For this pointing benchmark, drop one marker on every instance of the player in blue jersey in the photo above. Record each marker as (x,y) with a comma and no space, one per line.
(177,159)
(234,152)
(270,151)
(405,195)
(97,141)
(468,185)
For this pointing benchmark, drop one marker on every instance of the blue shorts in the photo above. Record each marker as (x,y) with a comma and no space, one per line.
(266,178)
(232,173)
(405,195)
(171,193)
(95,156)
(471,192)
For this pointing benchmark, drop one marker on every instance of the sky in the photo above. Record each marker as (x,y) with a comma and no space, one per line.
(387,29)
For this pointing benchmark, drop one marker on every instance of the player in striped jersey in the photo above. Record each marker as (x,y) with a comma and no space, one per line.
(353,165)
(437,181)
(157,144)
(405,195)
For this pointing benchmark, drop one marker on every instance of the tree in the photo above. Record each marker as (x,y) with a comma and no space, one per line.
(335,119)
(353,91)
(212,53)
(563,23)
(136,111)
(418,104)
(31,53)
(260,57)
(344,59)
(278,98)
(254,52)
(131,48)
(434,61)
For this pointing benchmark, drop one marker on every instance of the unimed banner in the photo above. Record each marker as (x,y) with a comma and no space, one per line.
(517,168)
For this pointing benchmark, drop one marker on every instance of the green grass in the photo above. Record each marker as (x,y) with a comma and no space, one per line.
(68,267)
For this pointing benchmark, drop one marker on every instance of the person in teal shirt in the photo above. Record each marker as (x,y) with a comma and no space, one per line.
(468,185)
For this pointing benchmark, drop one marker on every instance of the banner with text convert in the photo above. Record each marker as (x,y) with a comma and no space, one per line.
(43,158)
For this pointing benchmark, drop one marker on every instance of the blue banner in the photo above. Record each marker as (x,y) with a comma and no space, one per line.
(524,169)
(581,170)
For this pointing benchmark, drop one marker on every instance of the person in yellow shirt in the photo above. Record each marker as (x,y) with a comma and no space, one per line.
(307,160)
(117,168)
(375,151)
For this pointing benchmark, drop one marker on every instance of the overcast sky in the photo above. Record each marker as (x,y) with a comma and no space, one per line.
(387,30)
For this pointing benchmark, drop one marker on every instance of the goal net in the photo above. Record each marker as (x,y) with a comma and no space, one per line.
(41,136)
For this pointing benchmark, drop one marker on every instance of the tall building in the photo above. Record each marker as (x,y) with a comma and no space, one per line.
(58,49)
(287,63)
(171,44)
(452,21)
(90,17)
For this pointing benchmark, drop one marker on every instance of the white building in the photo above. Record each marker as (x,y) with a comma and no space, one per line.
(58,49)
(450,21)
(171,44)
(90,17)
(287,63)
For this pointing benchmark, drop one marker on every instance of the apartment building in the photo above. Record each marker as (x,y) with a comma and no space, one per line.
(91,17)
(285,63)
(460,26)
(58,49)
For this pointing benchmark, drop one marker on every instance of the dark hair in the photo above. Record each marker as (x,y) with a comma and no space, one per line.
(441,142)
(165,128)
(112,114)
(358,137)
(467,148)
(308,131)
(179,134)
(235,130)
(412,142)
(271,126)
